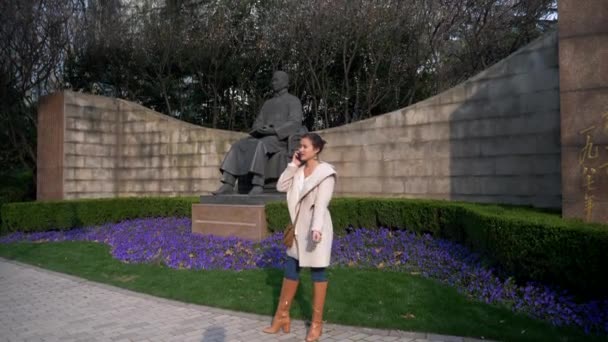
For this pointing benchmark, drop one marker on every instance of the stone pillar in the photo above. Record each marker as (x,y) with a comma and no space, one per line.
(50,156)
(583,68)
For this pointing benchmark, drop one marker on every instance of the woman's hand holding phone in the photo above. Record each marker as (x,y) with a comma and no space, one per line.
(296,158)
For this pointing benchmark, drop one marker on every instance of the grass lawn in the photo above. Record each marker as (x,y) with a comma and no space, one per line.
(371,298)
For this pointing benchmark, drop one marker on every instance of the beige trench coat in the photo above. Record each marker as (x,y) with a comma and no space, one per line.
(308,210)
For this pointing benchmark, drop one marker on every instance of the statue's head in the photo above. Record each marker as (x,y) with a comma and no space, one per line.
(280,80)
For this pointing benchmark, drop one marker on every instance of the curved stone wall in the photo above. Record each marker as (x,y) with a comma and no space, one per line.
(493,138)
(93,146)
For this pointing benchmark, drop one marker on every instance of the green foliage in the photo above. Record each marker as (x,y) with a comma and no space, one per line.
(64,215)
(540,247)
(16,186)
(437,308)
(527,243)
(144,56)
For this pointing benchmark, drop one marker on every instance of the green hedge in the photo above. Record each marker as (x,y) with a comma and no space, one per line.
(63,215)
(524,242)
(419,215)
(529,244)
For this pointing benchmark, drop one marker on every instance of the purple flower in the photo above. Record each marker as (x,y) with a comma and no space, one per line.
(169,241)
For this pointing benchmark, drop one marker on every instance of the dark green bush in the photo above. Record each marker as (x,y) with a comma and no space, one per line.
(418,215)
(524,242)
(568,253)
(16,186)
(63,215)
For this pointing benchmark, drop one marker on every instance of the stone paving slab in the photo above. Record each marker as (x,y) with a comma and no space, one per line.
(42,305)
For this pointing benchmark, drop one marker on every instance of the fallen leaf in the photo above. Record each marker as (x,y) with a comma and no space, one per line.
(408,316)
(126,278)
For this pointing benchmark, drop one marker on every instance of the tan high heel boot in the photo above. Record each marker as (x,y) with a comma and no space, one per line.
(318,301)
(281,318)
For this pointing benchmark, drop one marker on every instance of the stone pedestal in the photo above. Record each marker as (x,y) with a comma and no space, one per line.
(240,216)
(583,68)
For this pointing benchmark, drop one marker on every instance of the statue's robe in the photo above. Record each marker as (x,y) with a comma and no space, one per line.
(283,113)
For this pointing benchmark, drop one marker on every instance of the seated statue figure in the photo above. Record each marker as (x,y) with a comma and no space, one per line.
(278,119)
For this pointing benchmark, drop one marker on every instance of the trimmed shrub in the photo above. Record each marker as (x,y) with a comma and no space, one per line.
(63,215)
(526,243)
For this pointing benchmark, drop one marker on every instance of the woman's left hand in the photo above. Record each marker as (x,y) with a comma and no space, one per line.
(316,236)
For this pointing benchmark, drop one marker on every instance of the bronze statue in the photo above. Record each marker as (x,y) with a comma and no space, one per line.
(279,118)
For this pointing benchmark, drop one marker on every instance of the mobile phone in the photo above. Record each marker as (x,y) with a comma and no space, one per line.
(298,155)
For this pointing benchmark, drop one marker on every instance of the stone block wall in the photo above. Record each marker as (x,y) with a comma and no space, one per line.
(493,138)
(113,148)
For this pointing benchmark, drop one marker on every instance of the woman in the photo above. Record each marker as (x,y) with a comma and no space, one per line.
(309,184)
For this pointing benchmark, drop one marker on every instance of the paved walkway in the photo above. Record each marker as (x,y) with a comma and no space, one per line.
(41,305)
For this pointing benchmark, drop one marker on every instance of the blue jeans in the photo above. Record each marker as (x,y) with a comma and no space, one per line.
(292,271)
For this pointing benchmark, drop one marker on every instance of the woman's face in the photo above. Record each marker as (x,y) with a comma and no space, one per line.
(307,151)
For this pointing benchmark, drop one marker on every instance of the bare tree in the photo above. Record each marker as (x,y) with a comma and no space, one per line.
(209,61)
(34,39)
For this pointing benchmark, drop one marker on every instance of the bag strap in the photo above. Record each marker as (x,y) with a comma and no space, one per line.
(292,222)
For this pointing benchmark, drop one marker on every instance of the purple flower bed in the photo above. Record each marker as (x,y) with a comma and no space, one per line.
(170,242)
